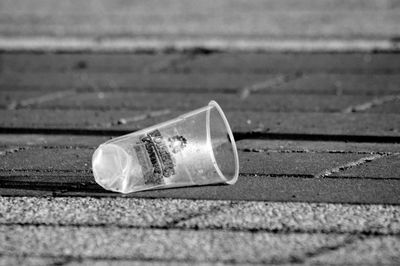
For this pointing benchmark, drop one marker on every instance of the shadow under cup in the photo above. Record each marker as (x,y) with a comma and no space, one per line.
(196,148)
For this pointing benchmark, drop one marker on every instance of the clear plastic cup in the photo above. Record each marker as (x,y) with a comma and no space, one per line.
(196,148)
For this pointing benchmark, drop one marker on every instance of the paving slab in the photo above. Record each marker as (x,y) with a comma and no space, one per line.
(385,167)
(89,81)
(342,84)
(198,62)
(292,164)
(189,101)
(278,217)
(288,146)
(22,140)
(70,159)
(75,160)
(130,81)
(294,62)
(315,123)
(248,188)
(80,119)
(62,166)
(390,107)
(274,176)
(341,125)
(25,63)
(246,145)
(26,69)
(282,83)
(169,245)
(9,99)
(267,188)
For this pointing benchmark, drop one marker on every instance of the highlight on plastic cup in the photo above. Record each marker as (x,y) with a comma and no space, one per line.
(196,148)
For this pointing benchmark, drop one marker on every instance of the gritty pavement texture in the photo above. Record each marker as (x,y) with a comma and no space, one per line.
(201,214)
(121,212)
(172,244)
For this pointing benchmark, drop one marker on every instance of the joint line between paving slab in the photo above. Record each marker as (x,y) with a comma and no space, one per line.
(371,104)
(269,83)
(40,99)
(341,168)
(136,118)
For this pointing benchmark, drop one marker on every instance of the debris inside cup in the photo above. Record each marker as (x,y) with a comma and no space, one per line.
(196,148)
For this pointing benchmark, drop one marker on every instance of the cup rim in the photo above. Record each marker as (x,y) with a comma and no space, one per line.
(232,140)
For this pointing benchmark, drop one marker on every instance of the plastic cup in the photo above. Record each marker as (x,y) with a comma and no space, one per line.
(196,148)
